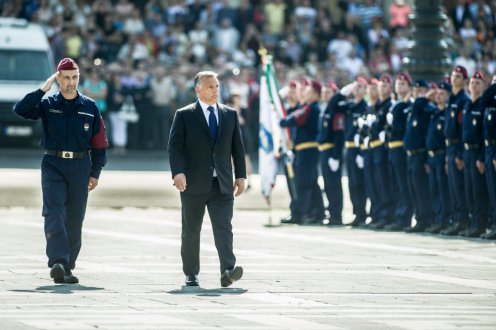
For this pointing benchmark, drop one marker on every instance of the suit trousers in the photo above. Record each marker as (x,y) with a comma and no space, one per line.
(475,191)
(456,187)
(65,193)
(491,182)
(220,210)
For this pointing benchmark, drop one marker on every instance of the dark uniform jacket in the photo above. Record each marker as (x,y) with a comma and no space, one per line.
(489,125)
(473,115)
(381,110)
(417,124)
(397,129)
(78,129)
(453,120)
(306,121)
(332,125)
(435,134)
(192,150)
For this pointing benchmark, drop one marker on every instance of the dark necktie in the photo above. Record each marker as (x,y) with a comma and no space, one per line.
(212,123)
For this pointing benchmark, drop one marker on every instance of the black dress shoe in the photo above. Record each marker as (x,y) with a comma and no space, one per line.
(191,280)
(357,222)
(394,227)
(378,225)
(473,232)
(435,229)
(490,235)
(335,222)
(418,228)
(290,220)
(230,276)
(454,230)
(57,273)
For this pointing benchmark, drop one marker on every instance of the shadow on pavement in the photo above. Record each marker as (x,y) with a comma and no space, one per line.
(199,291)
(61,289)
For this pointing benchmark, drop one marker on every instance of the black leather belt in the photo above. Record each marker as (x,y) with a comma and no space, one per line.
(414,151)
(434,153)
(66,154)
(452,142)
(470,146)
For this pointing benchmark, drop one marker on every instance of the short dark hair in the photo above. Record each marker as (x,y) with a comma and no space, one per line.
(203,74)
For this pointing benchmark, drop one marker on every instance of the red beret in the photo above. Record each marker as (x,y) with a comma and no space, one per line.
(362,80)
(67,64)
(305,82)
(405,76)
(332,85)
(292,84)
(316,86)
(462,70)
(386,78)
(432,85)
(478,75)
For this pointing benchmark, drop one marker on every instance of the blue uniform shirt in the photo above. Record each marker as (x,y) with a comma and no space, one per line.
(417,124)
(489,124)
(332,124)
(453,119)
(473,115)
(381,111)
(355,111)
(68,125)
(400,111)
(435,133)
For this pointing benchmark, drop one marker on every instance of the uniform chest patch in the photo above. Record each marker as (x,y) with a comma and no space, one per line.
(55,111)
(86,127)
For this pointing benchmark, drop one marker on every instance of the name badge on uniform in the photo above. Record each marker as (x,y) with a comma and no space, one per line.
(86,127)
(414,123)
(439,126)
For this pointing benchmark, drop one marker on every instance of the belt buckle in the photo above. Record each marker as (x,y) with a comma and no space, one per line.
(68,154)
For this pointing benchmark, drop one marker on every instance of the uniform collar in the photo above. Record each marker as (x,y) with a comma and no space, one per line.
(59,98)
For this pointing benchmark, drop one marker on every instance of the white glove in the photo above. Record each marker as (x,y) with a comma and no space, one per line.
(382,136)
(370,119)
(356,140)
(389,118)
(348,89)
(360,122)
(290,155)
(366,141)
(359,161)
(333,164)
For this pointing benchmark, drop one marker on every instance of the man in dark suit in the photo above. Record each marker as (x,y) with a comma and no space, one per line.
(205,142)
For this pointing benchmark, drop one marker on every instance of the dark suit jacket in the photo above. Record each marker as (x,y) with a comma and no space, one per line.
(193,152)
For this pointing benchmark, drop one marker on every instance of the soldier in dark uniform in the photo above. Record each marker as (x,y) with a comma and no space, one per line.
(473,159)
(309,207)
(454,150)
(75,145)
(366,161)
(355,110)
(377,147)
(416,131)
(397,118)
(489,129)
(436,146)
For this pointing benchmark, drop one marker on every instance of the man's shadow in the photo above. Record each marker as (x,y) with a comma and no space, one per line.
(60,289)
(199,291)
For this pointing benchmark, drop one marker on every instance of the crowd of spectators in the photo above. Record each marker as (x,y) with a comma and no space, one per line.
(143,55)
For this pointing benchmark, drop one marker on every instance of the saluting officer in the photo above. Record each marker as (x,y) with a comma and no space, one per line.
(416,131)
(473,159)
(397,117)
(454,150)
(356,185)
(377,145)
(489,128)
(75,151)
(436,146)
(309,207)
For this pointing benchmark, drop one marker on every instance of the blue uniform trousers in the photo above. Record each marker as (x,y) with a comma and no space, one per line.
(475,191)
(403,209)
(370,185)
(309,202)
(332,186)
(418,181)
(383,184)
(356,184)
(438,186)
(65,193)
(456,189)
(491,182)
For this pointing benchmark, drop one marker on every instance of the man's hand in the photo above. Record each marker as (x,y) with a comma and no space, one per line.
(480,166)
(48,83)
(239,187)
(92,183)
(459,163)
(494,164)
(180,182)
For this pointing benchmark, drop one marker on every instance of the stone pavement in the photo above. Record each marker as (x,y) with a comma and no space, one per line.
(295,277)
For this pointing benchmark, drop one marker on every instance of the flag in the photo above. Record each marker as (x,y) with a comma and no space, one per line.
(274,141)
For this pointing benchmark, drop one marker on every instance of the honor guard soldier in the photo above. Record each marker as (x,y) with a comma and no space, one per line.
(377,146)
(309,207)
(75,144)
(454,150)
(356,109)
(366,161)
(397,118)
(473,159)
(416,131)
(489,128)
(436,146)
